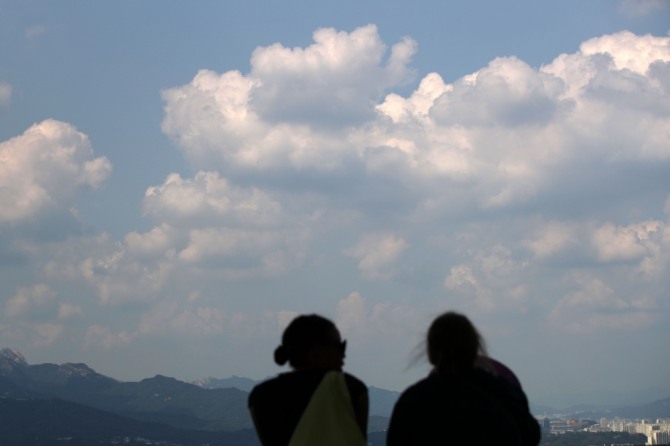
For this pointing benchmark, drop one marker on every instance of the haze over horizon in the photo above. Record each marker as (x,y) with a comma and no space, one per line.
(178,180)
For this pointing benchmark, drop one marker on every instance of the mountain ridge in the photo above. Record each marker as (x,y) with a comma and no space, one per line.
(207,404)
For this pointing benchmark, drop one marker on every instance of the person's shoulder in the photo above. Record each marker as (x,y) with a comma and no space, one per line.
(266,388)
(422,386)
(415,396)
(352,379)
(355,385)
(487,378)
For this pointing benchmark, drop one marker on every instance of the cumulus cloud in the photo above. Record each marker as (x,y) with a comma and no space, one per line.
(27,299)
(376,253)
(552,238)
(489,276)
(594,306)
(244,231)
(275,115)
(508,166)
(521,191)
(160,241)
(336,81)
(142,266)
(629,51)
(110,269)
(562,147)
(43,169)
(508,92)
(242,253)
(498,138)
(640,243)
(626,243)
(208,197)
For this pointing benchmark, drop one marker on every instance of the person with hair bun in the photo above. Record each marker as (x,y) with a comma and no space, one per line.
(315,403)
(467,398)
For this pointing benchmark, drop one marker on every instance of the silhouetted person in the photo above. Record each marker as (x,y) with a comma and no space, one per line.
(466,399)
(316,403)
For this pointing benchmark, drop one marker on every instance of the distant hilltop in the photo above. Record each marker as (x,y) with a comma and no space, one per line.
(209,404)
(236,382)
(79,383)
(11,359)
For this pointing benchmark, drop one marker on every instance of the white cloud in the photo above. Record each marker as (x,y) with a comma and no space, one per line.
(626,243)
(522,191)
(463,282)
(242,231)
(117,279)
(160,241)
(498,138)
(594,306)
(351,313)
(459,276)
(115,273)
(26,299)
(210,118)
(146,264)
(43,169)
(335,81)
(552,238)
(241,253)
(629,51)
(376,254)
(642,245)
(490,276)
(275,115)
(508,92)
(210,198)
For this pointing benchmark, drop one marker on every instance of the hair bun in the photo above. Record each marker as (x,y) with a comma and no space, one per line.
(281,355)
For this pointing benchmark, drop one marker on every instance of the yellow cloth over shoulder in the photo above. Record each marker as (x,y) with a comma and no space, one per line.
(329,418)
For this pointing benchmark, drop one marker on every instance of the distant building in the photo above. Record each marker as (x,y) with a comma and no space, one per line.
(657,433)
(659,437)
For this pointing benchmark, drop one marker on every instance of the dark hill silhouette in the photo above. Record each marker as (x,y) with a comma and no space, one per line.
(44,421)
(158,399)
(183,405)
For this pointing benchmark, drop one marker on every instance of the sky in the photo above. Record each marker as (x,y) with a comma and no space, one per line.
(178,180)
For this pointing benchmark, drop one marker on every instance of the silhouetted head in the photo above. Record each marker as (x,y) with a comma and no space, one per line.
(311,341)
(453,344)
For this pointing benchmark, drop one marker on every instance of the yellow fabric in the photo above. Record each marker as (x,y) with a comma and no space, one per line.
(329,418)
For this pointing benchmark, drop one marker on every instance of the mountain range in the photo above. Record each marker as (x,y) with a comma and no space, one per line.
(43,402)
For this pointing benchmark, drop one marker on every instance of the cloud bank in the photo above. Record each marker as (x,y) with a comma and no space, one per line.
(536,193)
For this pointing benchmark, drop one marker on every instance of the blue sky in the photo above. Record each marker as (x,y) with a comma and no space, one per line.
(179,179)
